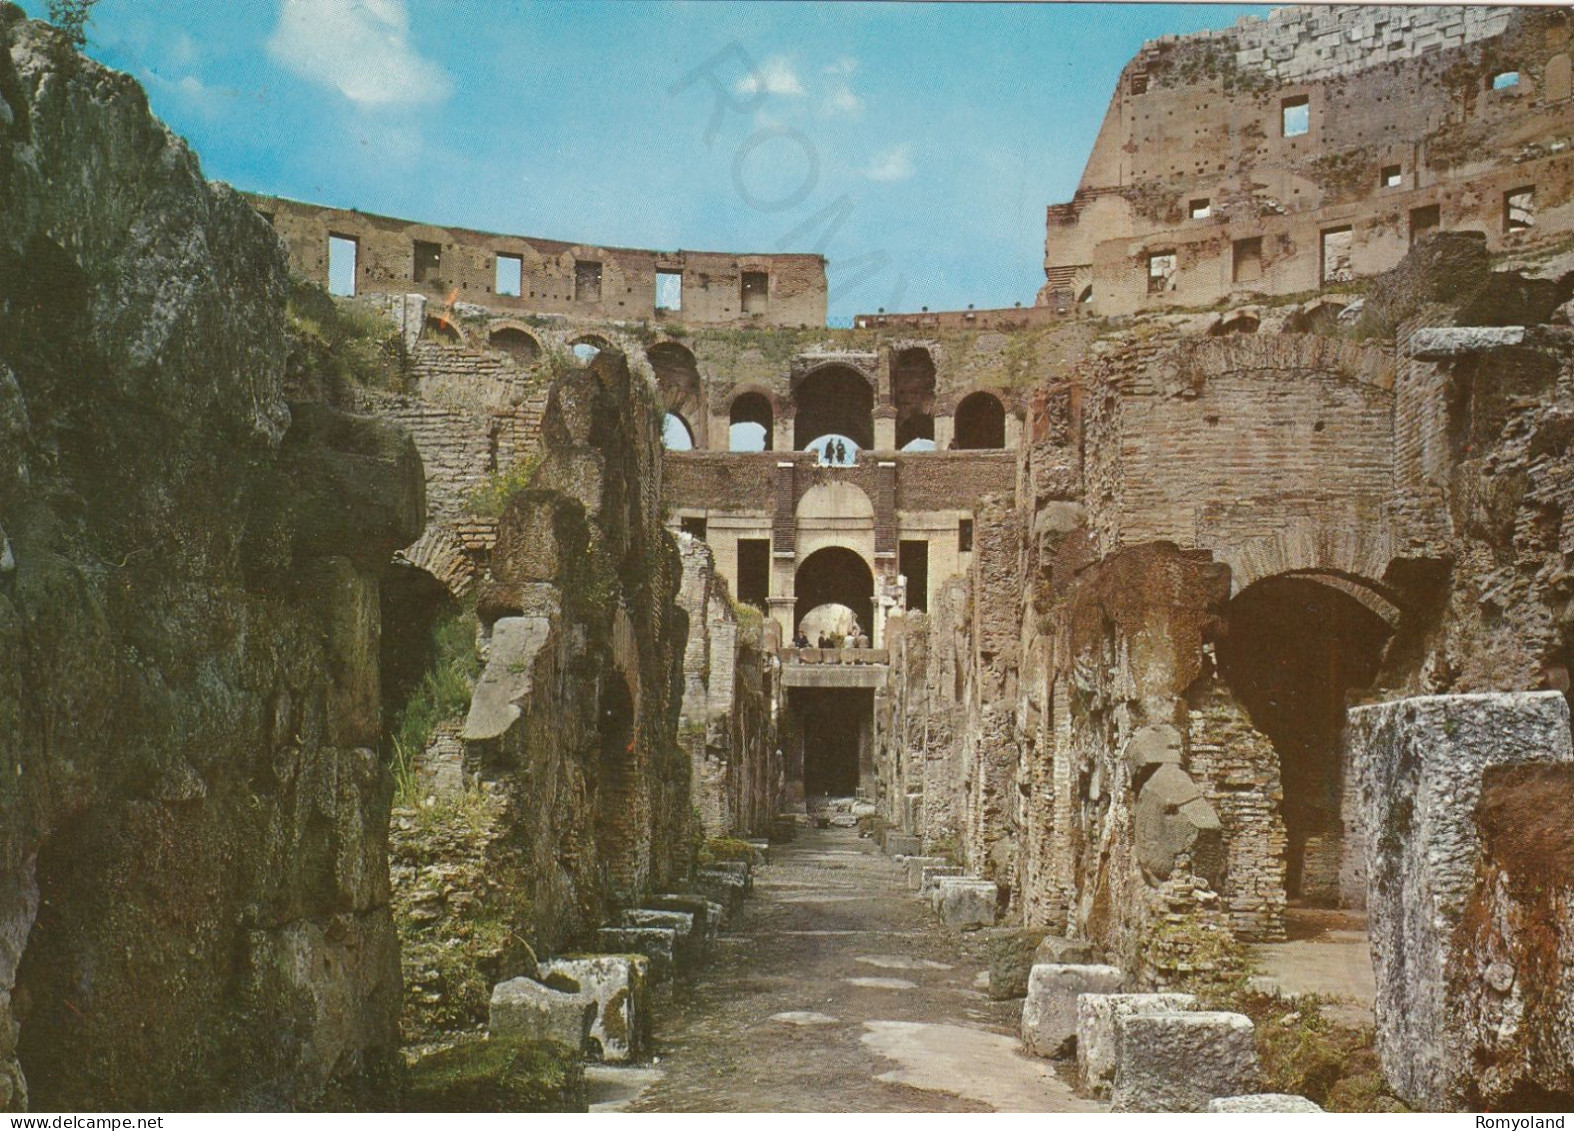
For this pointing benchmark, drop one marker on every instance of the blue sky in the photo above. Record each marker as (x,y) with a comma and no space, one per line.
(915,145)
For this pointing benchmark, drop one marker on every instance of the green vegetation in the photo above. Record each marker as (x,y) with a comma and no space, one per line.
(71,17)
(726,848)
(334,345)
(489,499)
(1305,1054)
(443,693)
(497,1074)
(748,616)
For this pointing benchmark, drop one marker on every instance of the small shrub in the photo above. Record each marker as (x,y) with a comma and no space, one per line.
(443,693)
(497,1074)
(726,848)
(489,499)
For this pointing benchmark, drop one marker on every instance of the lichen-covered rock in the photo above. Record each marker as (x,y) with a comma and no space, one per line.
(658,944)
(1097,1014)
(497,1074)
(964,903)
(690,946)
(528,1010)
(194,899)
(1049,1012)
(1466,801)
(915,866)
(616,983)
(1182,1061)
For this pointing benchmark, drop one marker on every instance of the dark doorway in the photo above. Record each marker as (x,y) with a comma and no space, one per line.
(913,391)
(1294,647)
(913,563)
(754,571)
(980,423)
(837,727)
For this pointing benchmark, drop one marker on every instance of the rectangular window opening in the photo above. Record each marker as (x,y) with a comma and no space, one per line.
(1200,209)
(913,564)
(510,275)
(1336,247)
(1246,261)
(1424,220)
(342,254)
(587,281)
(964,536)
(1519,209)
(428,262)
(669,290)
(1161,272)
(1295,116)
(1392,176)
(754,571)
(755,291)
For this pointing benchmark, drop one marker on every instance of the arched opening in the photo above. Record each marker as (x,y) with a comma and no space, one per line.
(750,424)
(678,378)
(587,347)
(1320,319)
(1294,645)
(913,391)
(835,575)
(835,450)
(980,423)
(834,400)
(676,435)
(439,329)
(516,343)
(1240,324)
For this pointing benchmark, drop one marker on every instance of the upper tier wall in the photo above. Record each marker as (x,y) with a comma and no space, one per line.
(399,256)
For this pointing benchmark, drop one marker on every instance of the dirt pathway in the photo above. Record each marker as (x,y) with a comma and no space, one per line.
(837,991)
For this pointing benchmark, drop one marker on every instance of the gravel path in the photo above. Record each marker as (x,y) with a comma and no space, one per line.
(837,991)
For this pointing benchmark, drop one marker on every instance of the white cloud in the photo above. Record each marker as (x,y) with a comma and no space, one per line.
(775,76)
(894,164)
(361,48)
(846,65)
(842,100)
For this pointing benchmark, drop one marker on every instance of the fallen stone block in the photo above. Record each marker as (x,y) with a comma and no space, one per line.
(1009,952)
(1265,1102)
(739,868)
(616,984)
(1096,1018)
(784,830)
(1055,950)
(690,949)
(903,844)
(531,1011)
(659,944)
(707,915)
(1182,1061)
(963,903)
(762,852)
(915,866)
(1049,1012)
(722,888)
(932,874)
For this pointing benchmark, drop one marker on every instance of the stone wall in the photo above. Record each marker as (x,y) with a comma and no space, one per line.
(575,718)
(727,724)
(193,815)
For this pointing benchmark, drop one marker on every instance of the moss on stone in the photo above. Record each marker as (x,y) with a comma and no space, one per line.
(498,1074)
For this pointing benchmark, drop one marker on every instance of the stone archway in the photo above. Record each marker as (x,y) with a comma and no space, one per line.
(980,423)
(835,575)
(833,400)
(1293,646)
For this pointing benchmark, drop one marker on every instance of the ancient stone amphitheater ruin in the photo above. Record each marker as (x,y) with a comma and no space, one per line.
(403,691)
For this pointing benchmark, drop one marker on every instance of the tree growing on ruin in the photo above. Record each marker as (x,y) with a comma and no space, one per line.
(71,17)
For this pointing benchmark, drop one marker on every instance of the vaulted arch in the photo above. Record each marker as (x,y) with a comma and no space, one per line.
(980,422)
(833,400)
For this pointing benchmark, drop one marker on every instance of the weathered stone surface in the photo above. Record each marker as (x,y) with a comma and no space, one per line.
(1154,746)
(903,844)
(1440,343)
(1009,952)
(528,1010)
(1468,1002)
(723,889)
(915,866)
(496,1074)
(1054,950)
(1182,1061)
(1264,1102)
(934,873)
(616,983)
(707,915)
(965,903)
(1049,1013)
(1097,1054)
(659,944)
(739,869)
(1174,819)
(690,945)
